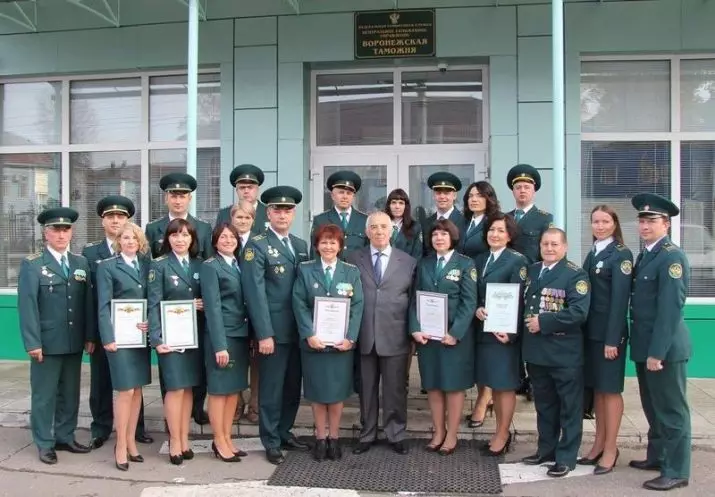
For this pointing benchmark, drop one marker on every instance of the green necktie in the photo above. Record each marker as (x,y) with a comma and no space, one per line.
(344,220)
(518,214)
(136,266)
(440,266)
(472,226)
(328,277)
(490,260)
(395,231)
(65,266)
(185,264)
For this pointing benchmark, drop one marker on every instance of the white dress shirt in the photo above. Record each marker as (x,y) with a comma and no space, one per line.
(385,258)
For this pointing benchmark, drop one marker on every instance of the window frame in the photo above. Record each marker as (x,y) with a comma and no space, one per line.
(65,147)
(675,136)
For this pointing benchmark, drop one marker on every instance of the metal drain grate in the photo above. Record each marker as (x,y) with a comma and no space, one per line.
(465,471)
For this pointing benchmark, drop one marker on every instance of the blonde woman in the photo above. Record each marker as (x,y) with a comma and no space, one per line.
(125,277)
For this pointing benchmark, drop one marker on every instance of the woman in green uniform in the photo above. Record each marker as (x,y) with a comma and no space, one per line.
(406,232)
(175,276)
(447,364)
(226,343)
(497,363)
(480,202)
(609,265)
(327,368)
(124,277)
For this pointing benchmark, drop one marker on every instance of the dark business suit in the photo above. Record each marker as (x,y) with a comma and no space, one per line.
(474,242)
(384,343)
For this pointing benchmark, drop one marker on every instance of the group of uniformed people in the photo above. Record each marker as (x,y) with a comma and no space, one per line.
(244,277)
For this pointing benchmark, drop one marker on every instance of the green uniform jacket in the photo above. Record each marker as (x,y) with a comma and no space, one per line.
(167,280)
(456,217)
(560,299)
(458,280)
(96,252)
(310,283)
(355,237)
(413,246)
(660,285)
(268,270)
(260,224)
(609,273)
(57,314)
(224,306)
(155,235)
(531,226)
(474,243)
(510,267)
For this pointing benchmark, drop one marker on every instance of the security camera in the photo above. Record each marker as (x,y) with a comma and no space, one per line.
(442,66)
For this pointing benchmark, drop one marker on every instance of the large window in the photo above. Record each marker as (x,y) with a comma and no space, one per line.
(72,141)
(649,126)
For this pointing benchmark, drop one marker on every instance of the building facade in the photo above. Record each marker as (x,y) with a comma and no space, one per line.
(93,102)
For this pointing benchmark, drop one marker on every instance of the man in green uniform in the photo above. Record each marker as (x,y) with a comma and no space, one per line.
(343,186)
(444,187)
(114,210)
(246,179)
(524,181)
(57,321)
(556,302)
(660,343)
(268,269)
(178,188)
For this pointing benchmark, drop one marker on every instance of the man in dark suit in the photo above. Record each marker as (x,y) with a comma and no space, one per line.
(178,188)
(660,344)
(114,210)
(444,187)
(247,180)
(387,274)
(57,321)
(556,301)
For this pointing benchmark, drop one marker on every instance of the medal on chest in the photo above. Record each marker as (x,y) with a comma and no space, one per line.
(175,279)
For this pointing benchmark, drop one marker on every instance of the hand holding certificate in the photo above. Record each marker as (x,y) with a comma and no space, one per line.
(432,314)
(127,315)
(330,319)
(178,324)
(502,305)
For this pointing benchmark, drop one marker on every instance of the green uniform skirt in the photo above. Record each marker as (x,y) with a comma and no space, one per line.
(181,370)
(130,368)
(234,377)
(601,374)
(497,366)
(327,375)
(447,368)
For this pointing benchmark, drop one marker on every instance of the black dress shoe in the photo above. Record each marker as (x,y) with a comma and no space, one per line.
(176,460)
(48,456)
(399,448)
(294,444)
(319,449)
(361,448)
(144,439)
(274,456)
(187,455)
(558,470)
(333,450)
(72,447)
(664,483)
(536,459)
(645,465)
(97,442)
(137,458)
(585,461)
(201,417)
(604,470)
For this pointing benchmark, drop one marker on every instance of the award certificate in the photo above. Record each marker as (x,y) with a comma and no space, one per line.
(178,324)
(432,314)
(126,315)
(330,319)
(502,305)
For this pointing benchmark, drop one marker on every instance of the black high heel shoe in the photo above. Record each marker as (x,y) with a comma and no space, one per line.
(137,458)
(176,460)
(188,455)
(603,470)
(585,461)
(434,447)
(217,454)
(121,466)
(240,453)
(501,451)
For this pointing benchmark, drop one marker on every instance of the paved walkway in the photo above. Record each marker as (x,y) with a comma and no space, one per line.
(15,407)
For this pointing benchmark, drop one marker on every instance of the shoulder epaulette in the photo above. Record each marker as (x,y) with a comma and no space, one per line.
(34,256)
(620,246)
(349,265)
(92,244)
(161,258)
(210,259)
(115,256)
(545,213)
(257,238)
(669,247)
(359,211)
(307,262)
(572,266)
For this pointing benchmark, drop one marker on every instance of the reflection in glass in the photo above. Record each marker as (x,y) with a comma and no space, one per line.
(355,109)
(30,114)
(697,95)
(93,176)
(208,166)
(442,107)
(167,107)
(30,184)
(625,96)
(373,192)
(420,193)
(106,111)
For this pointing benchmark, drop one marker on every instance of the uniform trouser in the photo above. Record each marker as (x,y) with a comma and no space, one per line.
(392,370)
(558,399)
(665,404)
(54,404)
(279,385)
(101,396)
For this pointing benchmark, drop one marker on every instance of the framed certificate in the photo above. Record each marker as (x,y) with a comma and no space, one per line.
(502,305)
(330,319)
(432,314)
(126,315)
(178,324)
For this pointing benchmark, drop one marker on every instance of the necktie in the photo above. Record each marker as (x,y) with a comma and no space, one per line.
(65,266)
(185,265)
(286,242)
(543,272)
(490,260)
(440,266)
(234,265)
(518,214)
(135,263)
(395,231)
(378,267)
(641,256)
(328,277)
(472,226)
(441,218)
(344,220)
